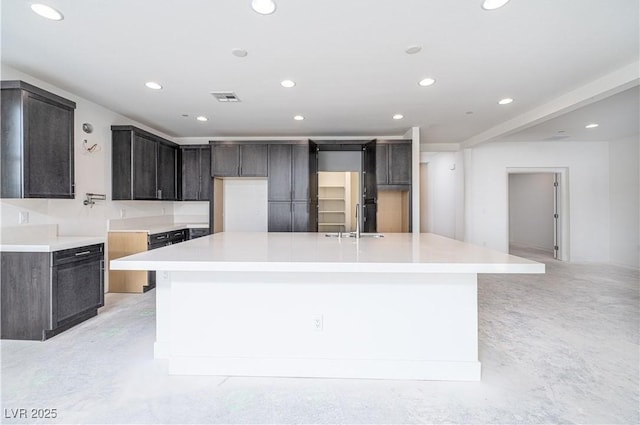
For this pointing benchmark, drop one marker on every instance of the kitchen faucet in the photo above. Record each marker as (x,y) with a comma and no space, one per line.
(357,233)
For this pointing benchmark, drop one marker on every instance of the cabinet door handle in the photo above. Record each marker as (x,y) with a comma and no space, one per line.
(161,237)
(79,254)
(177,234)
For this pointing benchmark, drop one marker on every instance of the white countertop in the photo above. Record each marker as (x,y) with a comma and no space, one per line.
(47,243)
(314,252)
(160,228)
(157,224)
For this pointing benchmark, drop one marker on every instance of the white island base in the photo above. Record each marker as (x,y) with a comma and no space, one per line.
(382,309)
(360,325)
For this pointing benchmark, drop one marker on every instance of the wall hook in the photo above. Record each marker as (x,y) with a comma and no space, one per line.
(91,149)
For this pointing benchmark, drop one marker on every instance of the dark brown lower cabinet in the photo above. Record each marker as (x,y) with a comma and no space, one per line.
(44,293)
(300,212)
(289,217)
(158,240)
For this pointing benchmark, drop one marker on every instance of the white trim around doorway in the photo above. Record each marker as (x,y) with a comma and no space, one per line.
(563,204)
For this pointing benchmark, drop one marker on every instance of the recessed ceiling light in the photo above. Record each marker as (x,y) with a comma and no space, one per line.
(469,113)
(412,50)
(287,83)
(298,118)
(185,115)
(505,101)
(153,85)
(593,125)
(47,12)
(493,4)
(398,116)
(241,53)
(201,118)
(425,82)
(264,7)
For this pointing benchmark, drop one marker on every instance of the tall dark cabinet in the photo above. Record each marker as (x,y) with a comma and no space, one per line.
(393,177)
(369,207)
(144,166)
(289,194)
(196,172)
(37,143)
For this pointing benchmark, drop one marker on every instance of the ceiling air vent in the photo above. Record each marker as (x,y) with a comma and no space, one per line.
(225,96)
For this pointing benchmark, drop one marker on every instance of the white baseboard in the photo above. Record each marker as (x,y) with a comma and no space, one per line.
(327,368)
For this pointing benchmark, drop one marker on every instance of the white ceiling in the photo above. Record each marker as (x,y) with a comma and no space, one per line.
(346,56)
(617,117)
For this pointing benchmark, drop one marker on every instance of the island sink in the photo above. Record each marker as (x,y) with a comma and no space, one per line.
(353,235)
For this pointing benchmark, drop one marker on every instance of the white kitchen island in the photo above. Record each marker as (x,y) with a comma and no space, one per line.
(305,305)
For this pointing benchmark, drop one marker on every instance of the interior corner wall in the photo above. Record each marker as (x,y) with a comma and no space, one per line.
(442,210)
(624,187)
(92,174)
(486,197)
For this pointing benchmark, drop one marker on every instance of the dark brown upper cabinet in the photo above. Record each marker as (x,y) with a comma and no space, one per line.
(393,162)
(238,159)
(37,143)
(196,172)
(289,172)
(144,166)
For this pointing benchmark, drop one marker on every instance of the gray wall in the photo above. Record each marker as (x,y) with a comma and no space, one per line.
(339,161)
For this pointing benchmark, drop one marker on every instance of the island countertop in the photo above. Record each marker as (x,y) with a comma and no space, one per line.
(314,252)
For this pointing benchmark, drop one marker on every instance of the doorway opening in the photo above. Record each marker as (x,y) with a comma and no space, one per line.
(339,181)
(338,194)
(537,212)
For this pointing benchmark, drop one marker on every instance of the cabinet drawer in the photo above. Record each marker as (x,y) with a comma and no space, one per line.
(77,254)
(198,232)
(159,238)
(178,236)
(157,245)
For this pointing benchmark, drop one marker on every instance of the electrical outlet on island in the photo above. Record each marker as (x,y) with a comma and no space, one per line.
(23,217)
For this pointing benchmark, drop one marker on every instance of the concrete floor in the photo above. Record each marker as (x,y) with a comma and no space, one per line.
(555,348)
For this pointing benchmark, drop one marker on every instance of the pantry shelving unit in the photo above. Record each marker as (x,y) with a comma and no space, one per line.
(332,202)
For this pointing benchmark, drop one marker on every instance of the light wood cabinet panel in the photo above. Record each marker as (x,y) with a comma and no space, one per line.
(121,244)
